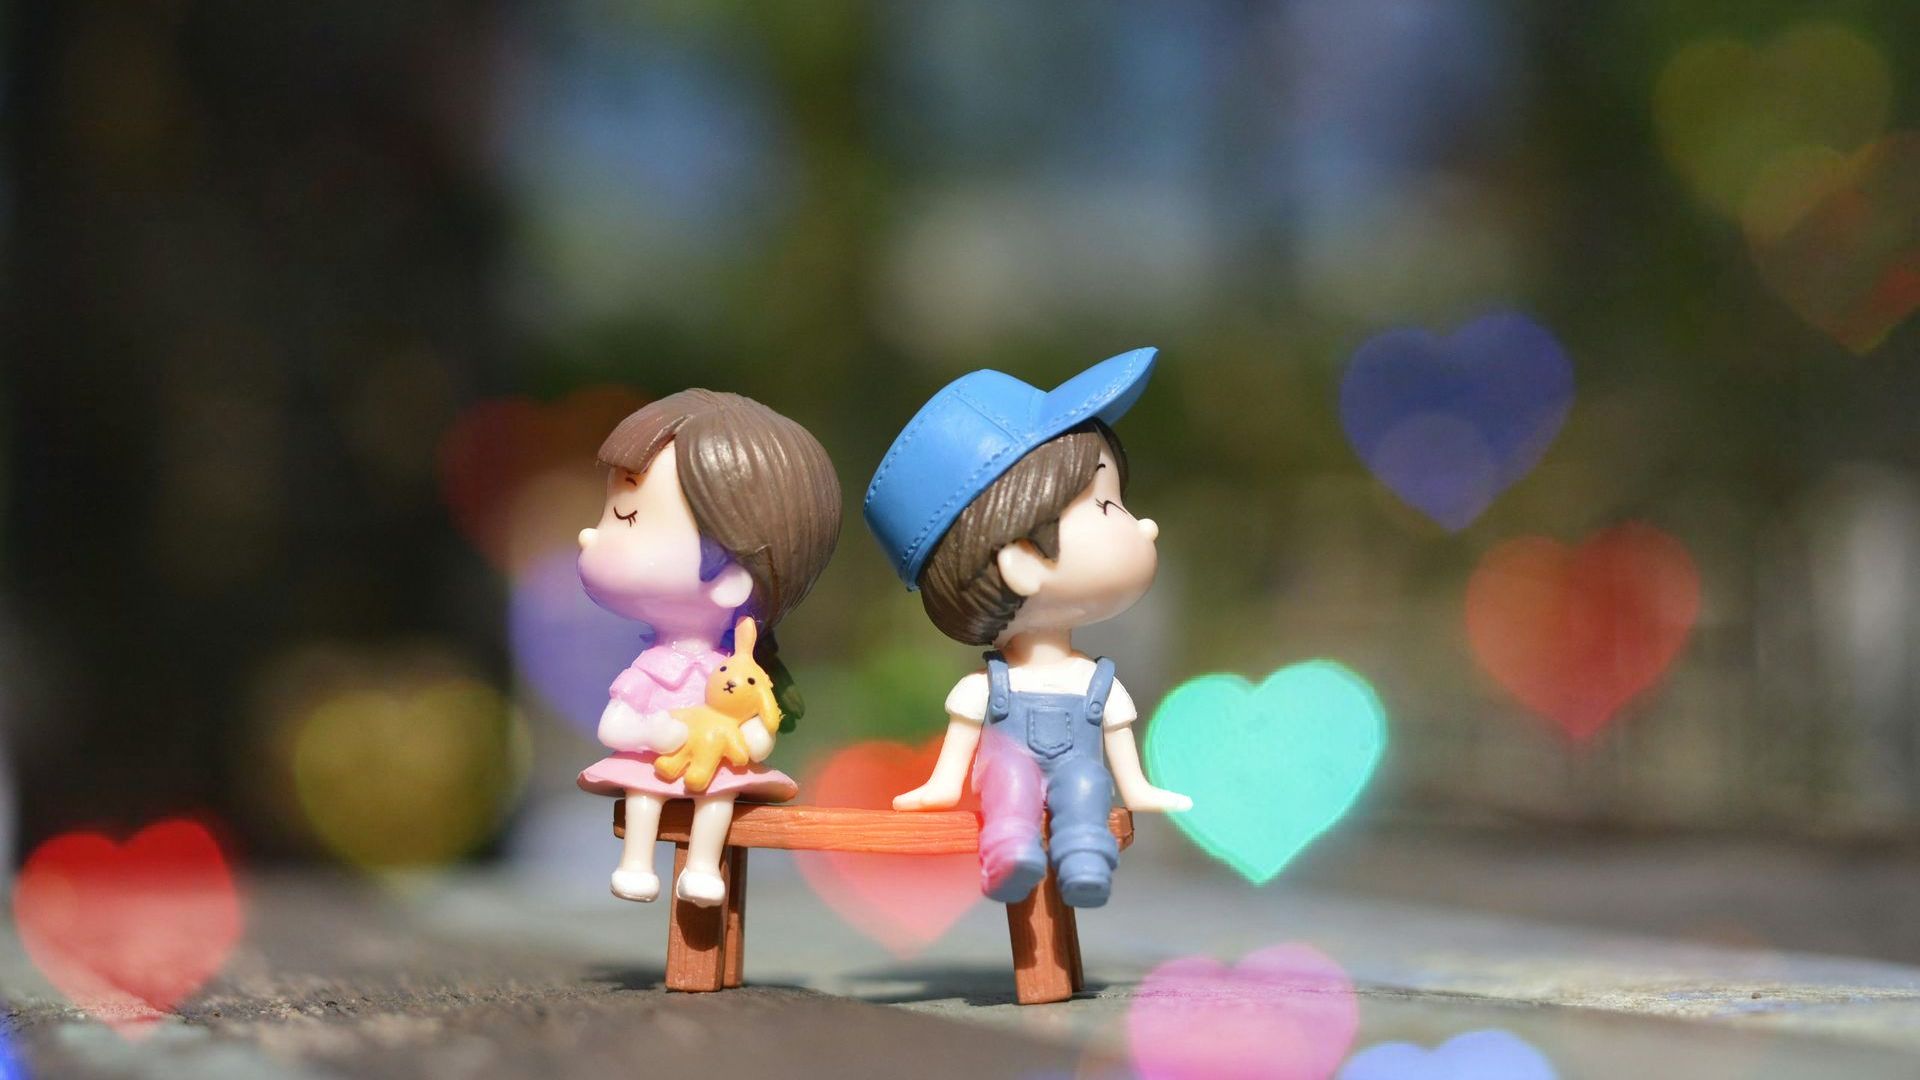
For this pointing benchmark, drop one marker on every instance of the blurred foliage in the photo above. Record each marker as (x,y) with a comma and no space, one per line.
(992,186)
(265,256)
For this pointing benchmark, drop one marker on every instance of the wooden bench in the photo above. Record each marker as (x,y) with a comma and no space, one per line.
(705,944)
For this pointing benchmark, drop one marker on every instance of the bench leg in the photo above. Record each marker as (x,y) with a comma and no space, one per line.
(1075,972)
(736,928)
(1044,946)
(696,938)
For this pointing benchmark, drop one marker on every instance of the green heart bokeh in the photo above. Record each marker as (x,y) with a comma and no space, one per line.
(1269,767)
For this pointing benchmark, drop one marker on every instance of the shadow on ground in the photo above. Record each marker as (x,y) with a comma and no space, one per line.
(912,984)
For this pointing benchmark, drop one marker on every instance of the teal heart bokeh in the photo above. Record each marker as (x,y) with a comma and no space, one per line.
(1269,767)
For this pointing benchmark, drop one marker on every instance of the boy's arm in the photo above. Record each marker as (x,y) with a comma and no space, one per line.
(1123,760)
(942,789)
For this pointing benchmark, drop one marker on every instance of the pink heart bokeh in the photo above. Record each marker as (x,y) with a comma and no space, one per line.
(904,902)
(128,931)
(1286,1012)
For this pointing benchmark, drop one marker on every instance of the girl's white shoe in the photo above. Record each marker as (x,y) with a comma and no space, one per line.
(700,887)
(641,885)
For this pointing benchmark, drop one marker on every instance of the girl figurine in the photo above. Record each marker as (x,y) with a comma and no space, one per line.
(718,510)
(1002,505)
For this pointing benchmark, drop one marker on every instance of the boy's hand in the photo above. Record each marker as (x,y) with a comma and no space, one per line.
(1150,799)
(932,795)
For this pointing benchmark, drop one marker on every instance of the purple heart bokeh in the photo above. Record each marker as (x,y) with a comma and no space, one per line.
(1449,423)
(565,646)
(1286,1012)
(1491,1054)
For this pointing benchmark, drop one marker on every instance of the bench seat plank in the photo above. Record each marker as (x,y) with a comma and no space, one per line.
(844,828)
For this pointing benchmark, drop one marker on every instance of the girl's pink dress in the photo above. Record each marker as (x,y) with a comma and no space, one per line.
(662,679)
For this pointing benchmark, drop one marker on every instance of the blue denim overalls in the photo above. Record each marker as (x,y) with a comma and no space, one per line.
(1064,735)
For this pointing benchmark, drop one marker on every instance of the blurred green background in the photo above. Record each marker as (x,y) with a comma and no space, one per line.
(316,313)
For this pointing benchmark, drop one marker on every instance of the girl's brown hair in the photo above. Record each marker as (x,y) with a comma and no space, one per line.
(760,487)
(961,586)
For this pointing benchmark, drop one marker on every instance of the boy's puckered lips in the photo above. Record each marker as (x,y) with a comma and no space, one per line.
(970,433)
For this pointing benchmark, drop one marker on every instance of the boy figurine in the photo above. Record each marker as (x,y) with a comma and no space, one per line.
(1001,504)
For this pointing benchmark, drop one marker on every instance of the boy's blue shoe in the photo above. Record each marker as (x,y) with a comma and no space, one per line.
(1086,879)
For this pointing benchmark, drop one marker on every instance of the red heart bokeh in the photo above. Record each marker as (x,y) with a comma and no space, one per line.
(1287,1012)
(127,932)
(1838,237)
(1575,633)
(904,902)
(518,475)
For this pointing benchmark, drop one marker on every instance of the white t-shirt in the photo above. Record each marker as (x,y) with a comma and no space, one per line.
(969,697)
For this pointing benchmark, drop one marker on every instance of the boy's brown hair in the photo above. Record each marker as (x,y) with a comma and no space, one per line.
(961,586)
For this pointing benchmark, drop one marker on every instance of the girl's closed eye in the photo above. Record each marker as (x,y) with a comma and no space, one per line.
(630,517)
(1107,504)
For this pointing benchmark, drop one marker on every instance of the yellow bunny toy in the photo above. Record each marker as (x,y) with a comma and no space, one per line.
(738,692)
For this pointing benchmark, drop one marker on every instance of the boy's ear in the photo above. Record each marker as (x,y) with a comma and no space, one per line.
(731,587)
(1022,567)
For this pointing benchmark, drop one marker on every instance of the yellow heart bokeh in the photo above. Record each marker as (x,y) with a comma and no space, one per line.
(1725,110)
(1837,237)
(407,778)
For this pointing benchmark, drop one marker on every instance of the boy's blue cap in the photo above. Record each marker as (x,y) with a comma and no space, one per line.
(970,433)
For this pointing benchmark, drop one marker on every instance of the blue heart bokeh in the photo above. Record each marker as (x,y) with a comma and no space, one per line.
(1488,1054)
(10,1066)
(1449,423)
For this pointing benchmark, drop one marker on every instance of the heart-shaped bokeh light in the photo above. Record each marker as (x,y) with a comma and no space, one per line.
(1449,423)
(1837,237)
(128,931)
(1490,1054)
(1726,111)
(1575,633)
(566,647)
(10,1066)
(407,777)
(904,902)
(1269,767)
(1283,1013)
(519,475)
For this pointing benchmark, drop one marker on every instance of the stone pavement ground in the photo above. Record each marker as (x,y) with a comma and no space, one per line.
(489,974)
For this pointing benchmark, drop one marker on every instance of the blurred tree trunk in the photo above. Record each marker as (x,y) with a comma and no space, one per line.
(249,258)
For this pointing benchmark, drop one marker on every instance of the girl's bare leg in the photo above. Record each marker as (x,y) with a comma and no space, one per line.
(700,881)
(634,878)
